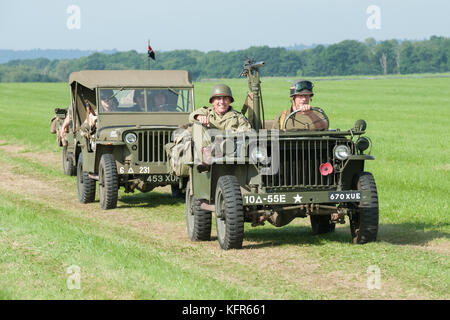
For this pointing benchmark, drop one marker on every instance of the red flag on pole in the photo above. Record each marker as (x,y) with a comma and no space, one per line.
(151,53)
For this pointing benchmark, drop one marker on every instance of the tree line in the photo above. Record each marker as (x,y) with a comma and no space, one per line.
(349,57)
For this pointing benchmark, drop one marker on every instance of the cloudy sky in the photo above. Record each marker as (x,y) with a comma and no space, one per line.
(213,25)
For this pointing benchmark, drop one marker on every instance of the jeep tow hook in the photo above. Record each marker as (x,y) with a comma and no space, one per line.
(338,218)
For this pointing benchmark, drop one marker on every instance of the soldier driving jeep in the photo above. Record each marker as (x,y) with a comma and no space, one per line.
(301,115)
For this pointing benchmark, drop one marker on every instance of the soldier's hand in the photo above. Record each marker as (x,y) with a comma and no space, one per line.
(305,107)
(203,120)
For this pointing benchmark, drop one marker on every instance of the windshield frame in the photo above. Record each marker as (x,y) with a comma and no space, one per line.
(190,105)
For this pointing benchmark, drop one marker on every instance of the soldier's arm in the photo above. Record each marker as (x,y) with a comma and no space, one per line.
(244,124)
(276,123)
(317,119)
(64,126)
(202,111)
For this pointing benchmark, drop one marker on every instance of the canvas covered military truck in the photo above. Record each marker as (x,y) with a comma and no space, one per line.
(120,122)
(277,175)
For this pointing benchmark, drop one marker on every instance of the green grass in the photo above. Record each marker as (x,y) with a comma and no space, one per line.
(122,257)
(113,265)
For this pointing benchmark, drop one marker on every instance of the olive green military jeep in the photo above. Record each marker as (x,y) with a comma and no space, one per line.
(121,121)
(278,175)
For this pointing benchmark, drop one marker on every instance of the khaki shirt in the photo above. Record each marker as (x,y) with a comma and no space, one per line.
(232,120)
(306,120)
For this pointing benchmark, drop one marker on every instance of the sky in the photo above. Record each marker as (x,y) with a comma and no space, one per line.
(208,25)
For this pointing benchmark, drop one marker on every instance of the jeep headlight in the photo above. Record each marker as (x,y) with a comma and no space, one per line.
(130,138)
(342,152)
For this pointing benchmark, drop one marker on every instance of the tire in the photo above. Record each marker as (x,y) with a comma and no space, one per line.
(229,213)
(198,221)
(364,224)
(85,185)
(67,160)
(321,224)
(108,182)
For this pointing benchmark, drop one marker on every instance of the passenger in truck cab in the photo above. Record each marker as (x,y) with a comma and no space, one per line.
(108,102)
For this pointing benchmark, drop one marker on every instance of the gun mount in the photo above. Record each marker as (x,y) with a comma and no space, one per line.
(251,71)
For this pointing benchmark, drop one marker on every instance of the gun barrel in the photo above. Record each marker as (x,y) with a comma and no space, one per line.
(257,64)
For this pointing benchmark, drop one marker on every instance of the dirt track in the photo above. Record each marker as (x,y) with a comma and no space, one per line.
(292,263)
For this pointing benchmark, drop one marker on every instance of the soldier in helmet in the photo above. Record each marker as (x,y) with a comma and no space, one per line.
(220,115)
(108,102)
(158,100)
(139,101)
(300,115)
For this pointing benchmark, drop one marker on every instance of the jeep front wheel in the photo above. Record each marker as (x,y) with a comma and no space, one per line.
(229,213)
(108,182)
(85,185)
(364,223)
(198,221)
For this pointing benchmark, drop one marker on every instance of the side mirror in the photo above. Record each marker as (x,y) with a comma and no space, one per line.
(360,125)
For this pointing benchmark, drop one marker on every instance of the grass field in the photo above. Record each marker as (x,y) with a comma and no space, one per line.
(141,250)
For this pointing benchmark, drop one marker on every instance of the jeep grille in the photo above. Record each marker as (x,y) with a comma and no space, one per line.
(299,164)
(151,145)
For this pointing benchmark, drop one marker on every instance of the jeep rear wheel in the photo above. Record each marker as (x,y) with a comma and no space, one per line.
(322,224)
(108,182)
(198,221)
(229,213)
(67,159)
(85,185)
(364,224)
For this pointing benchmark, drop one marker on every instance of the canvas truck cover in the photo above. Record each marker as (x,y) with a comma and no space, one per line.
(131,78)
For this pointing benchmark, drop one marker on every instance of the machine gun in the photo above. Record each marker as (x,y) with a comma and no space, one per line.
(254,98)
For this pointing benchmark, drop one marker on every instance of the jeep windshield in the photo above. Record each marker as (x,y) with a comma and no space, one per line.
(145,100)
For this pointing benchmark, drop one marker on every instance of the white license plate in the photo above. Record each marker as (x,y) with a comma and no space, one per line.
(162,178)
(345,196)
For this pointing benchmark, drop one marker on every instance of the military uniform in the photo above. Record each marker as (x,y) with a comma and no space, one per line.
(305,120)
(232,120)
(180,150)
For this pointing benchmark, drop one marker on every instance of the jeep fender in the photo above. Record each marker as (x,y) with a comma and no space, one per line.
(117,149)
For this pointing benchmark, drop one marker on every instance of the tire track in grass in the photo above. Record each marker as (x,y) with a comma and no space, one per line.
(283,269)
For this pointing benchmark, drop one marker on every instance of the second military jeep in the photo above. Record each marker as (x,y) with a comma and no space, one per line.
(121,121)
(278,175)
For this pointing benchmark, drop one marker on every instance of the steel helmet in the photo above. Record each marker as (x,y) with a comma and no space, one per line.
(221,90)
(302,87)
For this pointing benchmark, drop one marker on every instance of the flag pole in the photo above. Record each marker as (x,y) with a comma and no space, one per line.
(151,54)
(148,55)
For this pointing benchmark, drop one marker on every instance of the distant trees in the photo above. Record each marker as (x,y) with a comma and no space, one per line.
(347,57)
